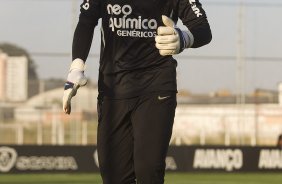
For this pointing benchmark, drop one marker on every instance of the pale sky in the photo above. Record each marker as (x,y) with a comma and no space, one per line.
(45,26)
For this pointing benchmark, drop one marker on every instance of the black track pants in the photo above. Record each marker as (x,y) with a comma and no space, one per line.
(133,138)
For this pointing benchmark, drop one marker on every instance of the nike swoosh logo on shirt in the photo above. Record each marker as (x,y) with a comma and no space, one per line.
(163,97)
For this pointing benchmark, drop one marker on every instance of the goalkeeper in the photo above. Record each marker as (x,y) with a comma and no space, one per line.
(137,80)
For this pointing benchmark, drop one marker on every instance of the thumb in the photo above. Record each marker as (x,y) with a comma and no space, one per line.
(167,21)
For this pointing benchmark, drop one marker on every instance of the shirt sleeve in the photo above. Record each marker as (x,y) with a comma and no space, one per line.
(83,35)
(194,18)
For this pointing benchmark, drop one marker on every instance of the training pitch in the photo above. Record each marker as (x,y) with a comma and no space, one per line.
(171,178)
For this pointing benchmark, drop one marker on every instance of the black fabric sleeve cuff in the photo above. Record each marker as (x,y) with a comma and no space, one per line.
(202,35)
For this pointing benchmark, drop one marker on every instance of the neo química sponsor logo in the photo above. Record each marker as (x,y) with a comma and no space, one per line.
(123,25)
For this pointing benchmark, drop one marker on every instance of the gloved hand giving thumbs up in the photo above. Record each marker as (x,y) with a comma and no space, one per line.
(170,40)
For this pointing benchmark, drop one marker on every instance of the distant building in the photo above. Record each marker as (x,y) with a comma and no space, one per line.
(44,106)
(260,96)
(13,78)
(3,58)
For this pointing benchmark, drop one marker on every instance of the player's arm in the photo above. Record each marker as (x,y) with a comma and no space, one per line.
(171,40)
(195,19)
(82,39)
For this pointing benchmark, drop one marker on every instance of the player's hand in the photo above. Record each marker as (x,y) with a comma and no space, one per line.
(170,39)
(75,79)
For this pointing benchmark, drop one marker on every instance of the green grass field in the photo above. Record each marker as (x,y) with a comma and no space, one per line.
(171,178)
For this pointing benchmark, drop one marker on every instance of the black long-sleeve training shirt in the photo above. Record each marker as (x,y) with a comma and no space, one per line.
(130,64)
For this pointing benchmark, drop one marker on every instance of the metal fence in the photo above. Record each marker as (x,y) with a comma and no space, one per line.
(194,125)
(49,133)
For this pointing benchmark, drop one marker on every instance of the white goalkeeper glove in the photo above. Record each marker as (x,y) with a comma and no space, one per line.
(75,79)
(170,39)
